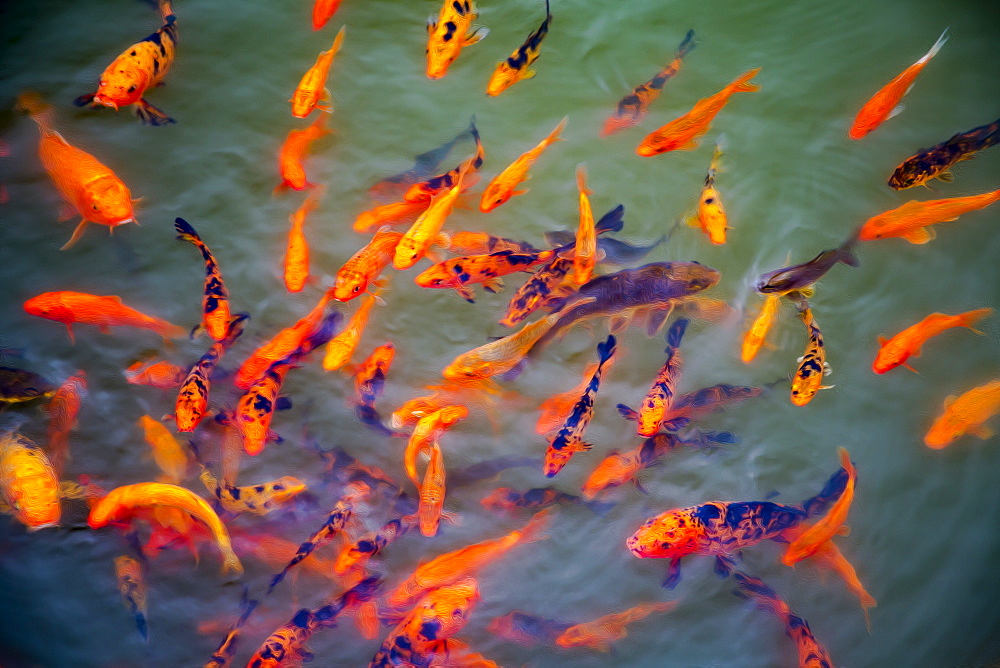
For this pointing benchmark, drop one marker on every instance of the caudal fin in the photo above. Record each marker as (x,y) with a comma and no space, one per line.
(606,349)
(676,333)
(32,103)
(937,47)
(969,318)
(834,487)
(742,83)
(686,45)
(761,594)
(186,232)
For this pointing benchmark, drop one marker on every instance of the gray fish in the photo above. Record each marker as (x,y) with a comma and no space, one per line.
(799,276)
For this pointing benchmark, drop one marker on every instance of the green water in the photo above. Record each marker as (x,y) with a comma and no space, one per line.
(923,524)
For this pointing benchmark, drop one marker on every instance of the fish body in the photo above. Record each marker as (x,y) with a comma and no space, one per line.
(895,351)
(257,499)
(356,555)
(829,556)
(449,33)
(585,250)
(28,483)
(167,452)
(633,107)
(459,272)
(808,378)
(481,243)
(426,229)
(222,657)
(825,528)
(132,587)
(601,632)
(215,301)
(21,386)
(424,166)
(297,251)
(619,468)
(527,629)
(364,266)
(885,103)
(661,395)
(569,439)
(293,152)
(935,161)
(425,191)
(369,377)
(312,88)
(554,410)
(162,374)
(965,414)
(323,11)
(122,502)
(912,220)
(505,499)
(799,276)
(140,68)
(757,334)
(89,186)
(72,308)
(192,397)
(516,66)
(683,132)
(694,405)
(711,215)
(504,185)
(341,347)
(283,344)
(432,492)
(500,356)
(426,432)
(63,410)
(255,409)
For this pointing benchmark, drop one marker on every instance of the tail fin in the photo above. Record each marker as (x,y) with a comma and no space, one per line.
(532,531)
(338,40)
(937,47)
(363,591)
(581,180)
(742,83)
(676,333)
(32,103)
(845,254)
(760,593)
(612,221)
(686,45)
(554,135)
(834,487)
(606,349)
(971,317)
(186,232)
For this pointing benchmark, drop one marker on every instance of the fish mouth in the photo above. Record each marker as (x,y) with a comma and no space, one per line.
(635,547)
(100,99)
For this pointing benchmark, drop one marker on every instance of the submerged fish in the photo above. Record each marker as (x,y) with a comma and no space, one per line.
(449,33)
(215,301)
(28,483)
(72,308)
(935,161)
(20,386)
(515,67)
(912,220)
(965,414)
(312,88)
(895,351)
(799,276)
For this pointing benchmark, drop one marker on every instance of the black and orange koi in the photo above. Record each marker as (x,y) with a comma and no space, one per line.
(192,398)
(935,161)
(661,395)
(215,301)
(514,67)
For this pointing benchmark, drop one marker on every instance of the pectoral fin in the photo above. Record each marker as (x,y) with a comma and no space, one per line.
(920,235)
(528,74)
(981,431)
(475,36)
(493,285)
(896,111)
(77,233)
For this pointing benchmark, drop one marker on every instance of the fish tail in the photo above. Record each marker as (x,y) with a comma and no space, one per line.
(169,330)
(337,41)
(606,349)
(166,11)
(581,180)
(32,103)
(686,45)
(554,135)
(612,221)
(231,563)
(760,593)
(834,487)
(532,531)
(186,232)
(937,47)
(969,318)
(845,252)
(676,333)
(742,83)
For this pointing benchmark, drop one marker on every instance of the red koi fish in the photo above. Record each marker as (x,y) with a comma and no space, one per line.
(825,528)
(682,133)
(138,69)
(215,302)
(162,374)
(192,398)
(515,67)
(619,467)
(885,103)
(432,492)
(323,11)
(63,410)
(601,632)
(89,187)
(661,395)
(293,153)
(28,483)
(895,351)
(633,107)
(297,252)
(527,629)
(72,308)
(965,414)
(935,161)
(504,185)
(912,221)
(312,88)
(449,33)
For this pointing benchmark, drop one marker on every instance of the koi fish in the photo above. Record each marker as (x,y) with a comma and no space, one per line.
(694,405)
(257,499)
(297,251)
(505,499)
(721,528)
(569,438)
(426,230)
(808,377)
(432,492)
(162,374)
(799,276)
(711,216)
(660,396)
(459,272)
(215,302)
(424,191)
(627,293)
(829,556)
(356,555)
(527,629)
(341,347)
(825,528)
(757,334)
(885,103)
(682,133)
(323,11)
(452,31)
(63,410)
(554,410)
(87,185)
(633,107)
(424,166)
(167,452)
(481,243)
(912,220)
(585,255)
(293,152)
(601,632)
(72,308)
(396,213)
(811,653)
(132,587)
(357,273)
(935,161)
(895,351)
(123,502)
(369,377)
(223,655)
(312,88)
(19,386)
(427,431)
(504,185)
(965,414)
(515,67)
(28,483)
(192,398)
(619,468)
(138,69)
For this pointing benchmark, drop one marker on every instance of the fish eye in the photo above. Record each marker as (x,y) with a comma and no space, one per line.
(94,207)
(357,288)
(131,88)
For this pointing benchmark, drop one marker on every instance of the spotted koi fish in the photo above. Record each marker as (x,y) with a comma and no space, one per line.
(449,33)
(569,439)
(215,301)
(934,162)
(63,409)
(257,499)
(554,410)
(515,67)
(424,191)
(459,272)
(813,366)
(694,405)
(661,395)
(138,69)
(28,483)
(711,216)
(132,587)
(364,266)
(722,528)
(369,376)
(355,556)
(633,107)
(192,398)
(481,243)
(425,165)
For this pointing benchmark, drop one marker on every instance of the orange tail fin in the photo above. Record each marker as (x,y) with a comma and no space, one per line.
(742,83)
(969,318)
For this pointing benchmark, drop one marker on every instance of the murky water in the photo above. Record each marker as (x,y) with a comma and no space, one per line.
(923,525)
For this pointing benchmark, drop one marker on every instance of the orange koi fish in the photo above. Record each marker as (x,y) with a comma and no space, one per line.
(661,395)
(255,409)
(123,502)
(711,216)
(222,657)
(585,255)
(297,251)
(757,334)
(555,409)
(192,398)
(619,468)
(369,377)
(808,377)
(323,11)
(965,414)
(935,161)
(601,632)
(427,431)
(633,107)
(569,439)
(72,308)
(293,153)
(341,347)
(504,185)
(426,230)
(162,374)
(515,67)
(425,190)
(356,555)
(132,586)
(682,133)
(811,653)
(138,69)
(481,243)
(459,272)
(28,483)
(63,410)
(885,103)
(829,556)
(215,302)
(258,499)
(168,454)
(396,213)
(825,528)
(912,220)
(432,492)
(449,33)
(312,88)
(87,185)
(364,266)
(895,351)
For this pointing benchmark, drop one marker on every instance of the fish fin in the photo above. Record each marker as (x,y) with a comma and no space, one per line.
(910,367)
(617,324)
(627,413)
(827,387)
(844,531)
(827,369)
(147,113)
(920,235)
(451,518)
(981,431)
(528,74)
(476,35)
(493,285)
(898,109)
(77,233)
(66,212)
(432,24)
(639,486)
(282,403)
(465,292)
(947,177)
(882,341)
(442,239)
(520,192)
(691,144)
(949,400)
(724,565)
(673,573)
(104,329)
(84,100)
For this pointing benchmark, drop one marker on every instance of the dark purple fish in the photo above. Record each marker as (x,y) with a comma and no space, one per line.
(803,275)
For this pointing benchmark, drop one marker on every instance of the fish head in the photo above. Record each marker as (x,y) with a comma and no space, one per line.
(348,285)
(502,78)
(49,305)
(38,504)
(950,426)
(407,253)
(108,202)
(440,56)
(913,172)
(436,276)
(695,275)
(107,510)
(671,535)
(286,487)
(303,101)
(493,196)
(121,85)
